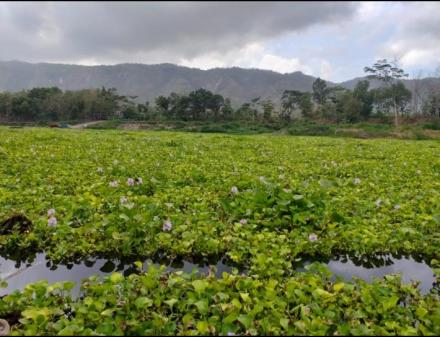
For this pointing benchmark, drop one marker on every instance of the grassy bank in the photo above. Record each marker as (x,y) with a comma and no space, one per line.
(423,130)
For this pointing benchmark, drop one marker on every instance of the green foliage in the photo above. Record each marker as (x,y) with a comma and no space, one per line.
(296,100)
(320,91)
(287,188)
(51,104)
(435,125)
(365,97)
(394,93)
(395,96)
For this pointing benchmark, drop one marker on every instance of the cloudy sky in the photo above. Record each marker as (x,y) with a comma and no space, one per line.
(334,40)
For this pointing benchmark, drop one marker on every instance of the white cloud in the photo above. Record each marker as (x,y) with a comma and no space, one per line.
(370,10)
(253,55)
(416,57)
(282,64)
(416,41)
(325,69)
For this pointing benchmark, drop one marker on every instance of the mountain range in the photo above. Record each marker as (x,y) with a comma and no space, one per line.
(149,81)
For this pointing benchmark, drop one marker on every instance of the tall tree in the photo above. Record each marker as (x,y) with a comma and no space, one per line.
(292,100)
(320,91)
(365,97)
(306,105)
(388,73)
(268,109)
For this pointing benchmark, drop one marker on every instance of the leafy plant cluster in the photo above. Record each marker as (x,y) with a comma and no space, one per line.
(156,303)
(263,202)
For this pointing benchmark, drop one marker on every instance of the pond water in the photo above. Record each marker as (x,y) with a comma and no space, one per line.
(411,270)
(19,274)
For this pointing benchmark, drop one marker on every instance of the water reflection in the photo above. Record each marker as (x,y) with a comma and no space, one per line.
(36,268)
(411,268)
(18,273)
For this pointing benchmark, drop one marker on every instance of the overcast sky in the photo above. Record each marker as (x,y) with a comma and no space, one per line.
(334,40)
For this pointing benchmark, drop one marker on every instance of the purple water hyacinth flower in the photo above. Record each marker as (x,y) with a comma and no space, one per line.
(231,333)
(357,181)
(234,190)
(313,237)
(243,221)
(123,200)
(100,170)
(262,179)
(52,221)
(130,182)
(396,207)
(50,212)
(139,181)
(378,202)
(113,183)
(167,226)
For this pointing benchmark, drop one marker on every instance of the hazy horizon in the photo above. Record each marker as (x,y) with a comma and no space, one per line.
(196,68)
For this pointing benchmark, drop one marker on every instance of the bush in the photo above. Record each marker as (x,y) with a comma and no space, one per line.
(434,125)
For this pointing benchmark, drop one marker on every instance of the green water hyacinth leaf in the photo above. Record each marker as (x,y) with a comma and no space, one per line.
(203,327)
(200,285)
(284,322)
(321,293)
(139,265)
(35,314)
(116,277)
(202,306)
(107,312)
(246,320)
(325,183)
(407,230)
(117,236)
(421,312)
(171,302)
(143,302)
(390,303)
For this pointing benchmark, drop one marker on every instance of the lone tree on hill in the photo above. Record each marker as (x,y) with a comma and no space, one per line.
(390,74)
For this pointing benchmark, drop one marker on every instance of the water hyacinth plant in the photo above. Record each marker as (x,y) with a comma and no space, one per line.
(52,221)
(192,207)
(167,226)
(313,237)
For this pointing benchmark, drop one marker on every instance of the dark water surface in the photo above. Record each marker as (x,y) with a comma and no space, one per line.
(19,274)
(410,269)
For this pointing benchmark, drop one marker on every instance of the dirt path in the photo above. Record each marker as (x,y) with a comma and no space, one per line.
(84,125)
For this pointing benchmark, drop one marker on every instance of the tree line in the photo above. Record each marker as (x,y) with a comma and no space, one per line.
(335,103)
